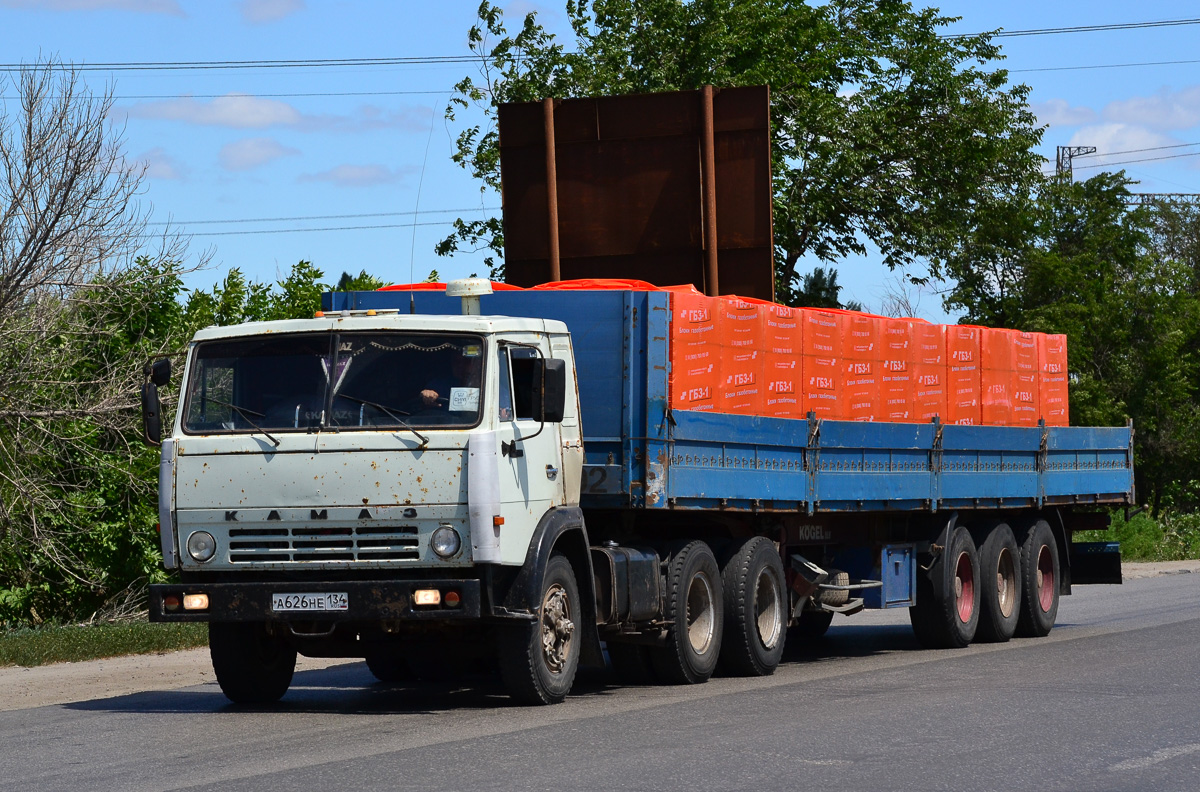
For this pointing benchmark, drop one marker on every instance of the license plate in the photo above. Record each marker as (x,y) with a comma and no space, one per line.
(326,601)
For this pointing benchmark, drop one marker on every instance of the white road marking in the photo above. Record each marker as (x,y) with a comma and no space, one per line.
(1158,756)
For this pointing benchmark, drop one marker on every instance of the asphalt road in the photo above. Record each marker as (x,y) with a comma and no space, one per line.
(1109,701)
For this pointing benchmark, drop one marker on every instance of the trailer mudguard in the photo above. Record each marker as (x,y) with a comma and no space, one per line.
(560,529)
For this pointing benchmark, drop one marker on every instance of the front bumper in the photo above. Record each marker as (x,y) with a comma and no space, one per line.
(369,600)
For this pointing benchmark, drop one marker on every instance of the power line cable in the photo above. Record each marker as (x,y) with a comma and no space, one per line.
(1135,151)
(308,230)
(319,217)
(1102,66)
(1143,159)
(248,64)
(1081,29)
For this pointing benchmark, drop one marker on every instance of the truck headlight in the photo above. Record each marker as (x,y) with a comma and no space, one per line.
(201,546)
(445,541)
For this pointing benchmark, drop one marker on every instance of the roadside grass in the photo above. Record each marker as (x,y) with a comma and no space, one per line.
(33,646)
(1174,536)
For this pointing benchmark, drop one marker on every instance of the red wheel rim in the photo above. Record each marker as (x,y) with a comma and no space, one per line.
(1045,579)
(964,587)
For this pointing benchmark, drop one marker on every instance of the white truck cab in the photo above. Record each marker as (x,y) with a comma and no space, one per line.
(360,469)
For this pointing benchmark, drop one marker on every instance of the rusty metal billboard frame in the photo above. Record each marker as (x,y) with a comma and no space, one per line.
(670,188)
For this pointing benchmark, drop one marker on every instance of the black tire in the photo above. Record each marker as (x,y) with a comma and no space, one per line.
(693,605)
(252,666)
(631,663)
(538,660)
(388,667)
(949,619)
(999,583)
(755,621)
(810,625)
(1039,581)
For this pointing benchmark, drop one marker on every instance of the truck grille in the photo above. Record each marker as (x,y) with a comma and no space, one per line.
(362,543)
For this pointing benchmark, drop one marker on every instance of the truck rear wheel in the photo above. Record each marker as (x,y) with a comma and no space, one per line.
(388,667)
(948,619)
(755,622)
(252,666)
(1039,581)
(630,663)
(693,605)
(538,660)
(1000,584)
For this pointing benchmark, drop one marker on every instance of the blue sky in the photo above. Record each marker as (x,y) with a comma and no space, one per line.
(242,145)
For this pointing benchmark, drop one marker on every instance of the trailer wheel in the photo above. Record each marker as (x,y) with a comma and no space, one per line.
(252,666)
(948,619)
(811,624)
(755,610)
(1039,581)
(693,605)
(538,660)
(1000,585)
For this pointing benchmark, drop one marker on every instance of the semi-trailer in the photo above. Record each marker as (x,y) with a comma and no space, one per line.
(431,479)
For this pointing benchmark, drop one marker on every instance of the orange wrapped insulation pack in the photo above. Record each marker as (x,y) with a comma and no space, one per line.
(750,357)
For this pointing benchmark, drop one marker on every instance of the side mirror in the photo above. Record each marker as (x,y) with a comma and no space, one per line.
(159,371)
(549,389)
(151,414)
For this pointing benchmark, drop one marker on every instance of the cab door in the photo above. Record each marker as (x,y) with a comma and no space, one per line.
(531,480)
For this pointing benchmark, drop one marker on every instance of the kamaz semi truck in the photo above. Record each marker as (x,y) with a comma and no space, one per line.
(441,480)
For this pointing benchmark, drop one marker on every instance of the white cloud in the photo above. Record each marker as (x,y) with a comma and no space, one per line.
(244,111)
(1164,110)
(170,7)
(252,152)
(161,165)
(360,175)
(1111,139)
(239,111)
(261,12)
(1058,112)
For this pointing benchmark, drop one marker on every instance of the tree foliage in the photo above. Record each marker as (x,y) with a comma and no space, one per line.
(884,131)
(82,307)
(1122,284)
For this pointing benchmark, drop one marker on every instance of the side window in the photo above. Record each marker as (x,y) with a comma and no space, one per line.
(506,400)
(521,360)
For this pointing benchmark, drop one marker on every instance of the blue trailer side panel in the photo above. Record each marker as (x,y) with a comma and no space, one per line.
(640,453)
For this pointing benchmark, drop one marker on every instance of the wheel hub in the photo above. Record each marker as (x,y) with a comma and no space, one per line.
(767,610)
(701,614)
(557,628)
(964,588)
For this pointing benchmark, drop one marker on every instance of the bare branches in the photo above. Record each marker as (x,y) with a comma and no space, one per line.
(85,298)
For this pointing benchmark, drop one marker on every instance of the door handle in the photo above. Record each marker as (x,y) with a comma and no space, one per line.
(551,472)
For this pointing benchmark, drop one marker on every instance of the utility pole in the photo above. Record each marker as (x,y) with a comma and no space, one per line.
(1068,153)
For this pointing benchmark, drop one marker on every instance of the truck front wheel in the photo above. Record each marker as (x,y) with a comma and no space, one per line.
(755,609)
(252,666)
(538,660)
(694,608)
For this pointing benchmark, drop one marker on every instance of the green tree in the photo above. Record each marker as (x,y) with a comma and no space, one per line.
(820,289)
(884,130)
(360,282)
(1121,283)
(235,299)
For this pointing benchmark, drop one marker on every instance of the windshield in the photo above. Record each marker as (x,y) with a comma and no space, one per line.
(335,381)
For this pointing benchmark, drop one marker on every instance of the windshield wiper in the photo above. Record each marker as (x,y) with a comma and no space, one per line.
(242,411)
(391,414)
